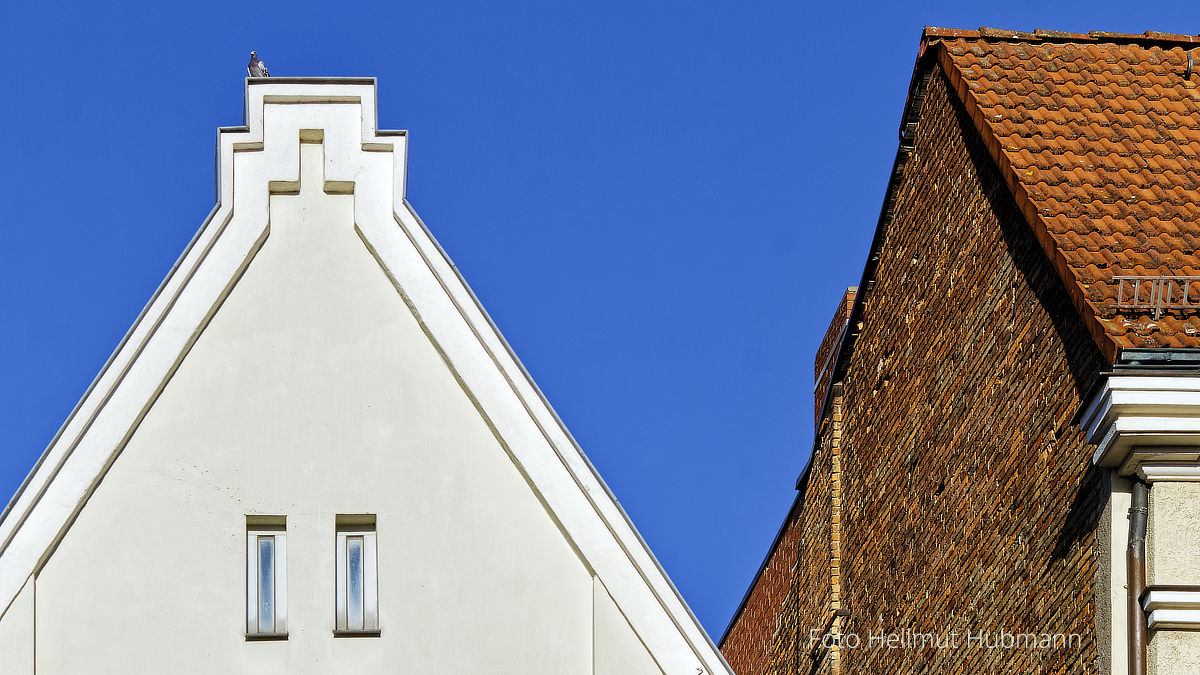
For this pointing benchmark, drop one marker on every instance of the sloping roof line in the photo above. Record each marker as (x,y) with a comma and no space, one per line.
(1098,139)
(842,347)
(1108,339)
(1040,229)
(932,33)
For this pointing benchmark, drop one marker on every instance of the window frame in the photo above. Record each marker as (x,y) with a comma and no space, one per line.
(259,529)
(348,623)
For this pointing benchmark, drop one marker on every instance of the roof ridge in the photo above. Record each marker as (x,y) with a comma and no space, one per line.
(934,33)
(1041,229)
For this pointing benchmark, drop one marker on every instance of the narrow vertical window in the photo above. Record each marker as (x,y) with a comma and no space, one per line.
(266,577)
(266,583)
(357,581)
(354,582)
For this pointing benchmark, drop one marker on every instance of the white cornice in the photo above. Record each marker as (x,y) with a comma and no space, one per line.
(1172,608)
(1161,472)
(1137,418)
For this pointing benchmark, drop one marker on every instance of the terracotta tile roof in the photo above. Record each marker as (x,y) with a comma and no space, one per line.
(1098,136)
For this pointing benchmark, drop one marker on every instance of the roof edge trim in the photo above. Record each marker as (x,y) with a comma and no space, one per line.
(1149,37)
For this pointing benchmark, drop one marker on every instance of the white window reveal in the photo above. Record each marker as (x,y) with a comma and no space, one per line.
(266,577)
(357,576)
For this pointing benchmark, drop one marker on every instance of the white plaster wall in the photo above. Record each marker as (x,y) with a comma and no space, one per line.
(16,634)
(1173,557)
(618,649)
(1173,535)
(314,392)
(1173,652)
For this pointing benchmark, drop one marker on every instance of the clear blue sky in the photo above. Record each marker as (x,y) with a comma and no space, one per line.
(659,203)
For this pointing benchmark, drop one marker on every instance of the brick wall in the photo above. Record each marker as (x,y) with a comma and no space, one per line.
(968,500)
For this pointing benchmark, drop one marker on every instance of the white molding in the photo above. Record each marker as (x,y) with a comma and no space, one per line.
(1158,473)
(1137,418)
(1172,608)
(264,153)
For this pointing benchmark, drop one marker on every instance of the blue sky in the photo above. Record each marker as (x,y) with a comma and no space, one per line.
(659,203)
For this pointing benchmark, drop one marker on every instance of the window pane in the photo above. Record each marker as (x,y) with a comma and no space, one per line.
(354,580)
(266,584)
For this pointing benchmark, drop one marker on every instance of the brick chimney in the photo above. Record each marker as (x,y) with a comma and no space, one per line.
(828,351)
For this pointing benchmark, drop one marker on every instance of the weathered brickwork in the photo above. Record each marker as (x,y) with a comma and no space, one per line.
(967,500)
(837,624)
(813,576)
(950,492)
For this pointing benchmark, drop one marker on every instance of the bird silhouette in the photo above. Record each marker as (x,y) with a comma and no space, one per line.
(257,68)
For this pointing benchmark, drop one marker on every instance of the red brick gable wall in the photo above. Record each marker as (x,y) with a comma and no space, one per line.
(969,504)
(966,494)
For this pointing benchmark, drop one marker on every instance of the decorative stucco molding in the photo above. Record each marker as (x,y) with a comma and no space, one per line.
(1172,607)
(1160,473)
(1134,419)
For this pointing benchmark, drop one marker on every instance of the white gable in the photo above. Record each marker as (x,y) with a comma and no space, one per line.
(361,171)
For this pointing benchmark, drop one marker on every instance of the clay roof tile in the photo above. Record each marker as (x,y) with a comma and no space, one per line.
(1100,137)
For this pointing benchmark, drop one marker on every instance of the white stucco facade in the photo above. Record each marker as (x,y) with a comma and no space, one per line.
(16,633)
(314,354)
(1173,561)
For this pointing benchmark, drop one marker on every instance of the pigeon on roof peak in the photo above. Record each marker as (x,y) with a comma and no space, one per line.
(257,68)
